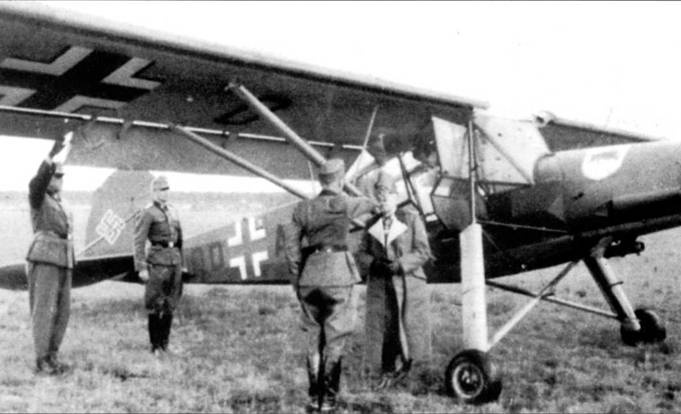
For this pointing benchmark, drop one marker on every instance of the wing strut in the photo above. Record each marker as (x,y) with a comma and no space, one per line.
(294,139)
(245,164)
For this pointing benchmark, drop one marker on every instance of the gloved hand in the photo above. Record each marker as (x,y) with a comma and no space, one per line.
(144,275)
(393,266)
(384,267)
(378,269)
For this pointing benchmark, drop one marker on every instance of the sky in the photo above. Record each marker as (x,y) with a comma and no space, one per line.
(614,64)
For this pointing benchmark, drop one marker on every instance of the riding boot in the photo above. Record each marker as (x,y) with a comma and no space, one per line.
(313,391)
(166,325)
(331,387)
(154,332)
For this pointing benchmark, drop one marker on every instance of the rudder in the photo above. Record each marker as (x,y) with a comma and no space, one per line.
(114,205)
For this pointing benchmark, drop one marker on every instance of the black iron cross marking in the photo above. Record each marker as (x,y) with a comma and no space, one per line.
(83,79)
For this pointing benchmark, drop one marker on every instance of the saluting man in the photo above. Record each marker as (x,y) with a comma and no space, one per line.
(323,274)
(160,264)
(50,260)
(397,314)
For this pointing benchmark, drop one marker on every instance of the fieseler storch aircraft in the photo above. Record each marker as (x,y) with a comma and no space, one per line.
(499,196)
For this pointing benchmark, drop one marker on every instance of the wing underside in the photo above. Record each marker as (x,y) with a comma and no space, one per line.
(120,87)
(55,66)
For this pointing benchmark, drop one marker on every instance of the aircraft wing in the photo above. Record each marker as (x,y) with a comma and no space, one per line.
(566,134)
(58,69)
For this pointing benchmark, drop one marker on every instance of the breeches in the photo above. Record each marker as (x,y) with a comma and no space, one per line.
(163,289)
(49,296)
(329,317)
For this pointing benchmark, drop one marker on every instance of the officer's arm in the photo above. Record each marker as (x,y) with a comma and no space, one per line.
(140,239)
(420,248)
(364,255)
(38,185)
(180,242)
(293,233)
(359,206)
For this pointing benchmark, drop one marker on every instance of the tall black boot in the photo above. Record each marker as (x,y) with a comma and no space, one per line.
(154,331)
(166,325)
(331,387)
(315,384)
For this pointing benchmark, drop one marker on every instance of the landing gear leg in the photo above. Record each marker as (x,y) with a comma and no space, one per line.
(470,375)
(641,325)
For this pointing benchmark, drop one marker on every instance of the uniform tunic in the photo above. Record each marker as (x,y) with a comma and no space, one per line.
(50,263)
(159,224)
(324,272)
(398,305)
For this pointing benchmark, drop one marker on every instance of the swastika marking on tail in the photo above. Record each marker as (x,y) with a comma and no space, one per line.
(110,226)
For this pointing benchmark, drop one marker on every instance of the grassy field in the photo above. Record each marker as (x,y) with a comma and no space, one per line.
(238,349)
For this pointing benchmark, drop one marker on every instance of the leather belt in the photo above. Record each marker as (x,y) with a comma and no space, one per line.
(328,249)
(163,244)
(55,234)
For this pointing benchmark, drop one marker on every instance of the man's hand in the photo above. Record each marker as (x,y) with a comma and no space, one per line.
(60,149)
(391,266)
(384,267)
(144,275)
(56,147)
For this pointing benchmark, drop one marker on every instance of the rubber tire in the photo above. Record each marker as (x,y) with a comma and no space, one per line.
(652,329)
(472,378)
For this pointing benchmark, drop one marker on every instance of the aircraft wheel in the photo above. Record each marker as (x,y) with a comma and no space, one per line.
(472,378)
(652,329)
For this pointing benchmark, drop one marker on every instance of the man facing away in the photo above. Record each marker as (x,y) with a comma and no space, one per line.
(50,260)
(159,266)
(323,275)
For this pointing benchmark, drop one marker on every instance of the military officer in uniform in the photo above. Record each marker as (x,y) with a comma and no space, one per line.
(50,260)
(395,248)
(323,274)
(160,263)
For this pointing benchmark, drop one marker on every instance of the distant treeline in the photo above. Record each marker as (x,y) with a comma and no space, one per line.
(193,201)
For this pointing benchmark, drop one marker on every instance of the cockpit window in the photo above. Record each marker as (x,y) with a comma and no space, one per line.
(421,175)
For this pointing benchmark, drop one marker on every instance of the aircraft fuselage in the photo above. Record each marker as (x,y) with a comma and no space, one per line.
(579,197)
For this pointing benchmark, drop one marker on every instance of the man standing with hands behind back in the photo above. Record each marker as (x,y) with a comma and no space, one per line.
(159,266)
(324,273)
(50,259)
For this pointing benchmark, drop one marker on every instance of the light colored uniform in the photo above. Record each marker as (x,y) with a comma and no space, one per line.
(50,265)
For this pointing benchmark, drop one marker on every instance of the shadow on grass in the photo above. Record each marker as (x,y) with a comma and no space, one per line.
(255,402)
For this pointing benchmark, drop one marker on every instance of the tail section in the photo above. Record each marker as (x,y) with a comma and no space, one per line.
(114,204)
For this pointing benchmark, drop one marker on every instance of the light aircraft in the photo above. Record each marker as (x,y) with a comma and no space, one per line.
(499,196)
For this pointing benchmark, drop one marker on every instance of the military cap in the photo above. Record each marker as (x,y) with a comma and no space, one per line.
(160,183)
(332,167)
(385,182)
